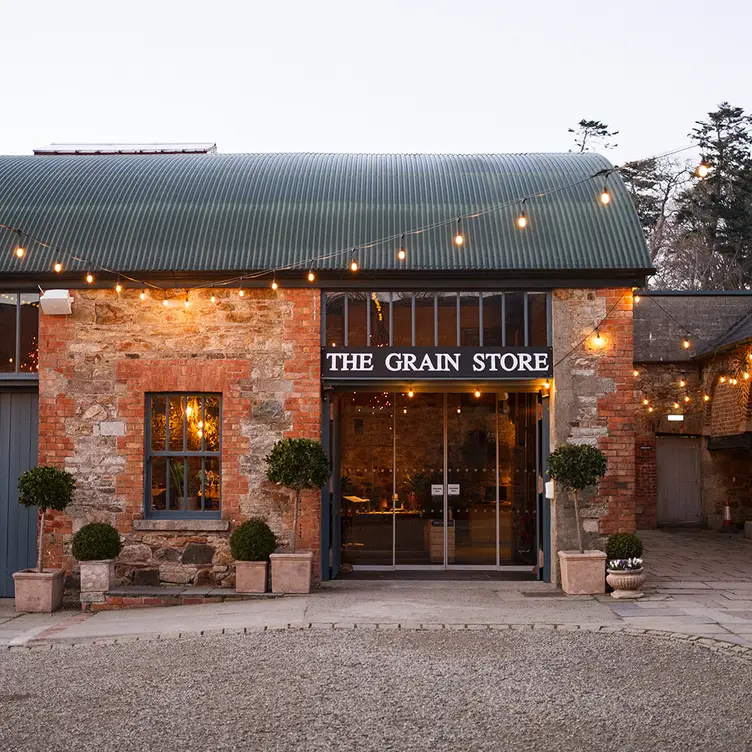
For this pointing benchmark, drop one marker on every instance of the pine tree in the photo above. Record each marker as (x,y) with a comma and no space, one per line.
(589,133)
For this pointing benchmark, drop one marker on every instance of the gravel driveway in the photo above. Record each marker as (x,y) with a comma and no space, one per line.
(386,690)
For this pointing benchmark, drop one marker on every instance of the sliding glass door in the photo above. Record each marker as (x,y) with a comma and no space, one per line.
(437,480)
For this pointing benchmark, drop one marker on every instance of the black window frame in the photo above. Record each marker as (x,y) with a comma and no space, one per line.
(525,312)
(17,373)
(184,454)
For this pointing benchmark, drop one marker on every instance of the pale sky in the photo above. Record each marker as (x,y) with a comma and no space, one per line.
(383,76)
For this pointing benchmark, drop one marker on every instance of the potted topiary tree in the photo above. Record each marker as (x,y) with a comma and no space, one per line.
(251,544)
(577,467)
(44,487)
(297,464)
(96,546)
(625,573)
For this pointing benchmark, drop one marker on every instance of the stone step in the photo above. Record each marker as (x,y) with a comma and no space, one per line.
(144,596)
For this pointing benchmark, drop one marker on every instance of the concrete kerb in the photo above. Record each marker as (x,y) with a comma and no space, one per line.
(710,643)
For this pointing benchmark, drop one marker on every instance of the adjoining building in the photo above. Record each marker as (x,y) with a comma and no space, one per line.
(694,426)
(439,374)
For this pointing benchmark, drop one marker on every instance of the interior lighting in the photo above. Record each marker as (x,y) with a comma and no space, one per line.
(404,410)
(546,384)
(459,410)
(241,291)
(58,267)
(477,393)
(459,238)
(410,392)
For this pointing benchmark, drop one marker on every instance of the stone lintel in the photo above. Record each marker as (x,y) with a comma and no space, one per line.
(206,526)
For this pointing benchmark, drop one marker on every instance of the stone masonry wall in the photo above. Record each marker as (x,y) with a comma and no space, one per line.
(593,403)
(95,368)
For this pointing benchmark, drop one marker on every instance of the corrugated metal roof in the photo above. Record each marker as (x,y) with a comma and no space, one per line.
(738,333)
(243,212)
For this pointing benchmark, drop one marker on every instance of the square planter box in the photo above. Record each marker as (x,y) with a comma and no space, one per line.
(583,573)
(97,576)
(40,592)
(291,573)
(250,576)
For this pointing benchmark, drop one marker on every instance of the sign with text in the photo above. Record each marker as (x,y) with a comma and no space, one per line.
(431,363)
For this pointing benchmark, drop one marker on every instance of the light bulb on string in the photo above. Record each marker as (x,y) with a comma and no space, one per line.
(118,287)
(241,291)
(353,263)
(650,409)
(646,402)
(682,382)
(142,294)
(686,398)
(187,302)
(598,340)
(164,301)
(20,249)
(546,384)
(275,286)
(459,238)
(89,277)
(706,397)
(58,267)
(745,374)
(311,275)
(477,393)
(703,169)
(213,298)
(605,195)
(685,343)
(722,379)
(635,373)
(402,253)
(676,405)
(636,299)
(410,392)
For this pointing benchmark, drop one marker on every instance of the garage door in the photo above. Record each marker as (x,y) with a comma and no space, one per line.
(678,471)
(18,452)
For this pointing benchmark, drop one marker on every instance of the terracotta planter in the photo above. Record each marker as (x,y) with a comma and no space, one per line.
(97,576)
(250,576)
(40,592)
(626,584)
(583,573)
(291,573)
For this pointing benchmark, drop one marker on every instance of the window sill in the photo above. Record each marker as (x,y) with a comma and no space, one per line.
(204,526)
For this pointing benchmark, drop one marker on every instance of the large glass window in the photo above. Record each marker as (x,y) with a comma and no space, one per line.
(183,467)
(443,319)
(19,333)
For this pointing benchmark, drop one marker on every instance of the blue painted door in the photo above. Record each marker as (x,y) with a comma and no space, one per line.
(18,452)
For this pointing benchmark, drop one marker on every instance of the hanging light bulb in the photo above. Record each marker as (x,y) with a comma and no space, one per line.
(402,253)
(404,411)
(311,276)
(650,409)
(164,302)
(635,373)
(637,299)
(353,265)
(459,410)
(522,221)
(746,375)
(187,302)
(685,344)
(89,277)
(686,398)
(241,291)
(213,299)
(142,295)
(703,169)
(706,397)
(58,267)
(274,284)
(20,250)
(646,402)
(605,197)
(410,392)
(546,384)
(118,287)
(598,341)
(722,379)
(459,238)
(676,405)
(477,393)
(682,382)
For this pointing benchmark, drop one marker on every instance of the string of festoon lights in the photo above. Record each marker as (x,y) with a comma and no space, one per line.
(25,239)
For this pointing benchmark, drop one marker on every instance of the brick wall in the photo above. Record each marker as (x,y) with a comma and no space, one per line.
(95,367)
(593,402)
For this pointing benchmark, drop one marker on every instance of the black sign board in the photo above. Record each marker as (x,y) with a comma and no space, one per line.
(432,363)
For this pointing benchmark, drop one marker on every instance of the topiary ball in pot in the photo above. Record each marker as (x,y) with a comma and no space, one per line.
(253,541)
(96,541)
(623,546)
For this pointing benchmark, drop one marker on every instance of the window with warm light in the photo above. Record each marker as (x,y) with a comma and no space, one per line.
(183,465)
(19,333)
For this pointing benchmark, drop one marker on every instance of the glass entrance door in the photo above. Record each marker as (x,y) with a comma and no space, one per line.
(438,480)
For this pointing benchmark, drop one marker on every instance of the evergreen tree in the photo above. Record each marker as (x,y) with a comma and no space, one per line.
(589,133)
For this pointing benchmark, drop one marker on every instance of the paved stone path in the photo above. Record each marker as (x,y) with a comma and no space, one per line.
(699,586)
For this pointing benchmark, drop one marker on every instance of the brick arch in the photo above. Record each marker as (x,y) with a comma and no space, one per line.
(730,406)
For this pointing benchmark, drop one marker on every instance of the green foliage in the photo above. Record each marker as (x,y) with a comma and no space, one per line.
(298,464)
(46,487)
(96,541)
(590,133)
(623,546)
(253,541)
(577,466)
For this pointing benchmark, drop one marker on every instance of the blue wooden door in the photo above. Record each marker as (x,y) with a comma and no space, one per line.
(18,452)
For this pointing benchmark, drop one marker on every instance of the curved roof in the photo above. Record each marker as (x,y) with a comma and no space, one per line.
(245,212)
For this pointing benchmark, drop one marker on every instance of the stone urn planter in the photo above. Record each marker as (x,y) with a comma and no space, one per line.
(291,573)
(97,576)
(583,572)
(627,583)
(39,592)
(250,576)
